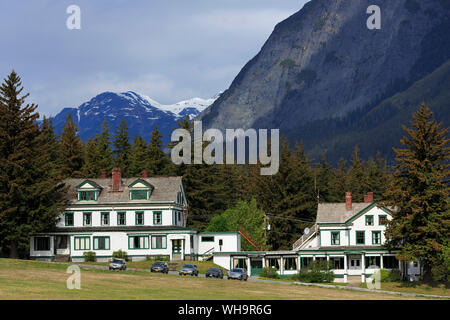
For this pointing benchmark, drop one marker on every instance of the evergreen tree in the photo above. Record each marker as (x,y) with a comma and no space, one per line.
(104,148)
(122,148)
(420,227)
(139,157)
(357,180)
(72,150)
(158,159)
(31,193)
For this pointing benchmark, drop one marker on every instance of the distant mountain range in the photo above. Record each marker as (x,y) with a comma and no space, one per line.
(323,77)
(140,112)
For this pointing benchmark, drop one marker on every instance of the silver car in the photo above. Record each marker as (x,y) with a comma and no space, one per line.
(117,264)
(238,273)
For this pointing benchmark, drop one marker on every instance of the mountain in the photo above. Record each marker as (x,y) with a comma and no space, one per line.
(140,112)
(323,77)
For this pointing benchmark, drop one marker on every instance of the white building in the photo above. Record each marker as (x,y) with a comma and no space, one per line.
(142,216)
(350,235)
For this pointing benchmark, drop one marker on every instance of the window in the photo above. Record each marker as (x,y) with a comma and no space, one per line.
(42,244)
(337,262)
(87,195)
(335,238)
(159,242)
(139,195)
(290,263)
(121,219)
(389,262)
(138,242)
(207,239)
(68,218)
(105,218)
(101,243)
(373,262)
(369,220)
(139,217)
(376,237)
(157,217)
(82,243)
(87,218)
(360,237)
(382,220)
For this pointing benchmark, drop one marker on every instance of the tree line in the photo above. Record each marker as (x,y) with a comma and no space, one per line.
(35,161)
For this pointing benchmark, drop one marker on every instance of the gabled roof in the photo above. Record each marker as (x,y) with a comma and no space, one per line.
(336,213)
(165,189)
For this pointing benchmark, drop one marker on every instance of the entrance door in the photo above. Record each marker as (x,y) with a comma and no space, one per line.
(255,267)
(176,249)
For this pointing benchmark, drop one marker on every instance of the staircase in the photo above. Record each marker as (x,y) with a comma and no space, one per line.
(61,258)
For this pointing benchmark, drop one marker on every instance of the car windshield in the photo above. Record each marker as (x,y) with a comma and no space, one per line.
(117,261)
(236,270)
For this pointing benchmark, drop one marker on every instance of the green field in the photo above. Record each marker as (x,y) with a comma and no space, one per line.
(20,279)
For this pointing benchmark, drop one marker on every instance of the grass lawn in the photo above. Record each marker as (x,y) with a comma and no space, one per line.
(203,266)
(413,287)
(20,279)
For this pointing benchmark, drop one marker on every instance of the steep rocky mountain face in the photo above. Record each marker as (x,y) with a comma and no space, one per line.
(140,112)
(323,77)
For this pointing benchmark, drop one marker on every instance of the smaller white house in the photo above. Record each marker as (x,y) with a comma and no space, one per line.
(144,216)
(349,235)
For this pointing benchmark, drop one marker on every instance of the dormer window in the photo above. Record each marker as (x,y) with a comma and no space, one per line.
(88,191)
(140,190)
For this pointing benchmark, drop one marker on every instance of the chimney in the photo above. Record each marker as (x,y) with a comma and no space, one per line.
(103,174)
(369,197)
(348,201)
(116,179)
(144,174)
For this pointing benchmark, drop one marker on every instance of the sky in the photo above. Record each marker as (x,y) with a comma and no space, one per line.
(169,50)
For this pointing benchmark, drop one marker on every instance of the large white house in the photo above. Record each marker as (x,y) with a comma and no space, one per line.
(144,216)
(350,235)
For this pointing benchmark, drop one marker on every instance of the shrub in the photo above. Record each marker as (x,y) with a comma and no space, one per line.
(89,256)
(269,272)
(120,255)
(316,272)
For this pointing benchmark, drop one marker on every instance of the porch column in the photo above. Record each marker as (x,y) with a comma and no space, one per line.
(363,267)
(345,268)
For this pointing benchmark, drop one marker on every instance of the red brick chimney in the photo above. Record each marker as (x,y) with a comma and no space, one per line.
(144,174)
(348,201)
(103,174)
(369,197)
(116,179)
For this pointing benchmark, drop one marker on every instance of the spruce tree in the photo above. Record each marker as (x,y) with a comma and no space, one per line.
(72,150)
(122,148)
(139,157)
(420,227)
(31,193)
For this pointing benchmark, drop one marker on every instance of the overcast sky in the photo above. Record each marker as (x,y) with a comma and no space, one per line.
(170,50)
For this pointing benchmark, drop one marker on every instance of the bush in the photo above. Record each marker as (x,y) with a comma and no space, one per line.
(120,255)
(316,272)
(89,256)
(269,272)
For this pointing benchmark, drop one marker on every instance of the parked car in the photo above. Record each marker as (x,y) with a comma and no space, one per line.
(117,264)
(214,273)
(160,266)
(189,269)
(238,273)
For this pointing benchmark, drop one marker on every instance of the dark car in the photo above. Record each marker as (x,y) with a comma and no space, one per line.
(189,269)
(238,273)
(117,264)
(214,273)
(160,266)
